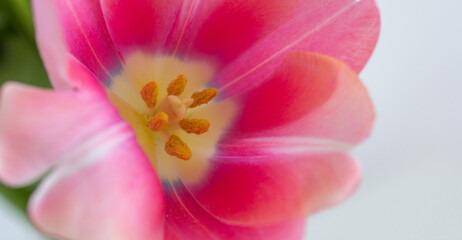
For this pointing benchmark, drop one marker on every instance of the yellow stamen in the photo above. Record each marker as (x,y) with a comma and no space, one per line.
(158,122)
(203,96)
(177,148)
(149,94)
(177,86)
(196,126)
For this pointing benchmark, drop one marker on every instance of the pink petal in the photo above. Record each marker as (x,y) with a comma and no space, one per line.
(50,42)
(107,190)
(286,155)
(228,27)
(64,70)
(82,78)
(264,181)
(86,36)
(216,29)
(185,219)
(308,95)
(345,29)
(40,127)
(140,25)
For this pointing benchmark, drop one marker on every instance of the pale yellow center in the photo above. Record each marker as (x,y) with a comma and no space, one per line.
(169,115)
(172,112)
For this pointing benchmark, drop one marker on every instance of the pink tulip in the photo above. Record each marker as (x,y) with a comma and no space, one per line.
(123,150)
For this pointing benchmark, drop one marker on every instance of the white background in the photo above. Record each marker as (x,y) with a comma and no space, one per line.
(412,164)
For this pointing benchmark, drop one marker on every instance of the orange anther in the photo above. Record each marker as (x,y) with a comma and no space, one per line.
(177,86)
(196,126)
(149,94)
(158,122)
(177,148)
(203,96)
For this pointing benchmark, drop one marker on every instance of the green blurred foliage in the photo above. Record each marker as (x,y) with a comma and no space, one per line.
(19,61)
(17,197)
(19,58)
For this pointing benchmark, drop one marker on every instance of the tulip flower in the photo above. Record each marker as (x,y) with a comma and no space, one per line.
(175,119)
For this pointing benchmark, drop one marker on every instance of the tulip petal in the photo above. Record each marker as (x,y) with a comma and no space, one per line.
(308,95)
(344,29)
(39,127)
(84,30)
(186,219)
(107,190)
(264,181)
(287,151)
(82,78)
(228,27)
(218,29)
(140,25)
(50,42)
(64,70)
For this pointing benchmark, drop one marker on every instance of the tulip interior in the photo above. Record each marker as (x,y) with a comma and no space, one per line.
(169,128)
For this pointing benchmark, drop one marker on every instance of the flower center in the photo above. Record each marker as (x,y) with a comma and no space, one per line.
(168,115)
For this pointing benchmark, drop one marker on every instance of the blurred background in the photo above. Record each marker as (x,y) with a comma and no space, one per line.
(412,164)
